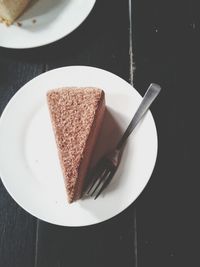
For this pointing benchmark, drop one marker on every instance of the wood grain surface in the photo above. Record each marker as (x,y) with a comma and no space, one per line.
(166,45)
(17,228)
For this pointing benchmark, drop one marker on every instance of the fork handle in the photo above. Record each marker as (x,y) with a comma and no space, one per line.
(150,95)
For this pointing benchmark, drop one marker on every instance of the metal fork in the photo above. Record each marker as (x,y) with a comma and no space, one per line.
(106,167)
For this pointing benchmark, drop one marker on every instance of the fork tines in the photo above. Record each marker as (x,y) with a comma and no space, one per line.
(102,176)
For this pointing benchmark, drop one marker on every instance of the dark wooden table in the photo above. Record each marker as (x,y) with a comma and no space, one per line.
(143,42)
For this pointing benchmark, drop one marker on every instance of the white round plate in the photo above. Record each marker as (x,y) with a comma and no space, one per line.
(44,22)
(29,165)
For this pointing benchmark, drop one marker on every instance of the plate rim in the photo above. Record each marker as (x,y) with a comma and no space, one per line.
(54,39)
(26,85)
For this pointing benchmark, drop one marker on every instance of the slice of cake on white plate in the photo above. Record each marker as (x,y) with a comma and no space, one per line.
(76,116)
(10,10)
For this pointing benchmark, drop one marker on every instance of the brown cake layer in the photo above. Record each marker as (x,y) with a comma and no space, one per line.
(76,115)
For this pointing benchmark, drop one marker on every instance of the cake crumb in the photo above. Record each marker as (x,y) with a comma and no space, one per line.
(6,22)
(19,24)
(34,21)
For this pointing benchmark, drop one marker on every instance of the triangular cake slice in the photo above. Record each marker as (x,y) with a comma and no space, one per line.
(12,9)
(76,116)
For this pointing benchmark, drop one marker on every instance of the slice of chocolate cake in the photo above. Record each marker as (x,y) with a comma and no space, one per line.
(76,115)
